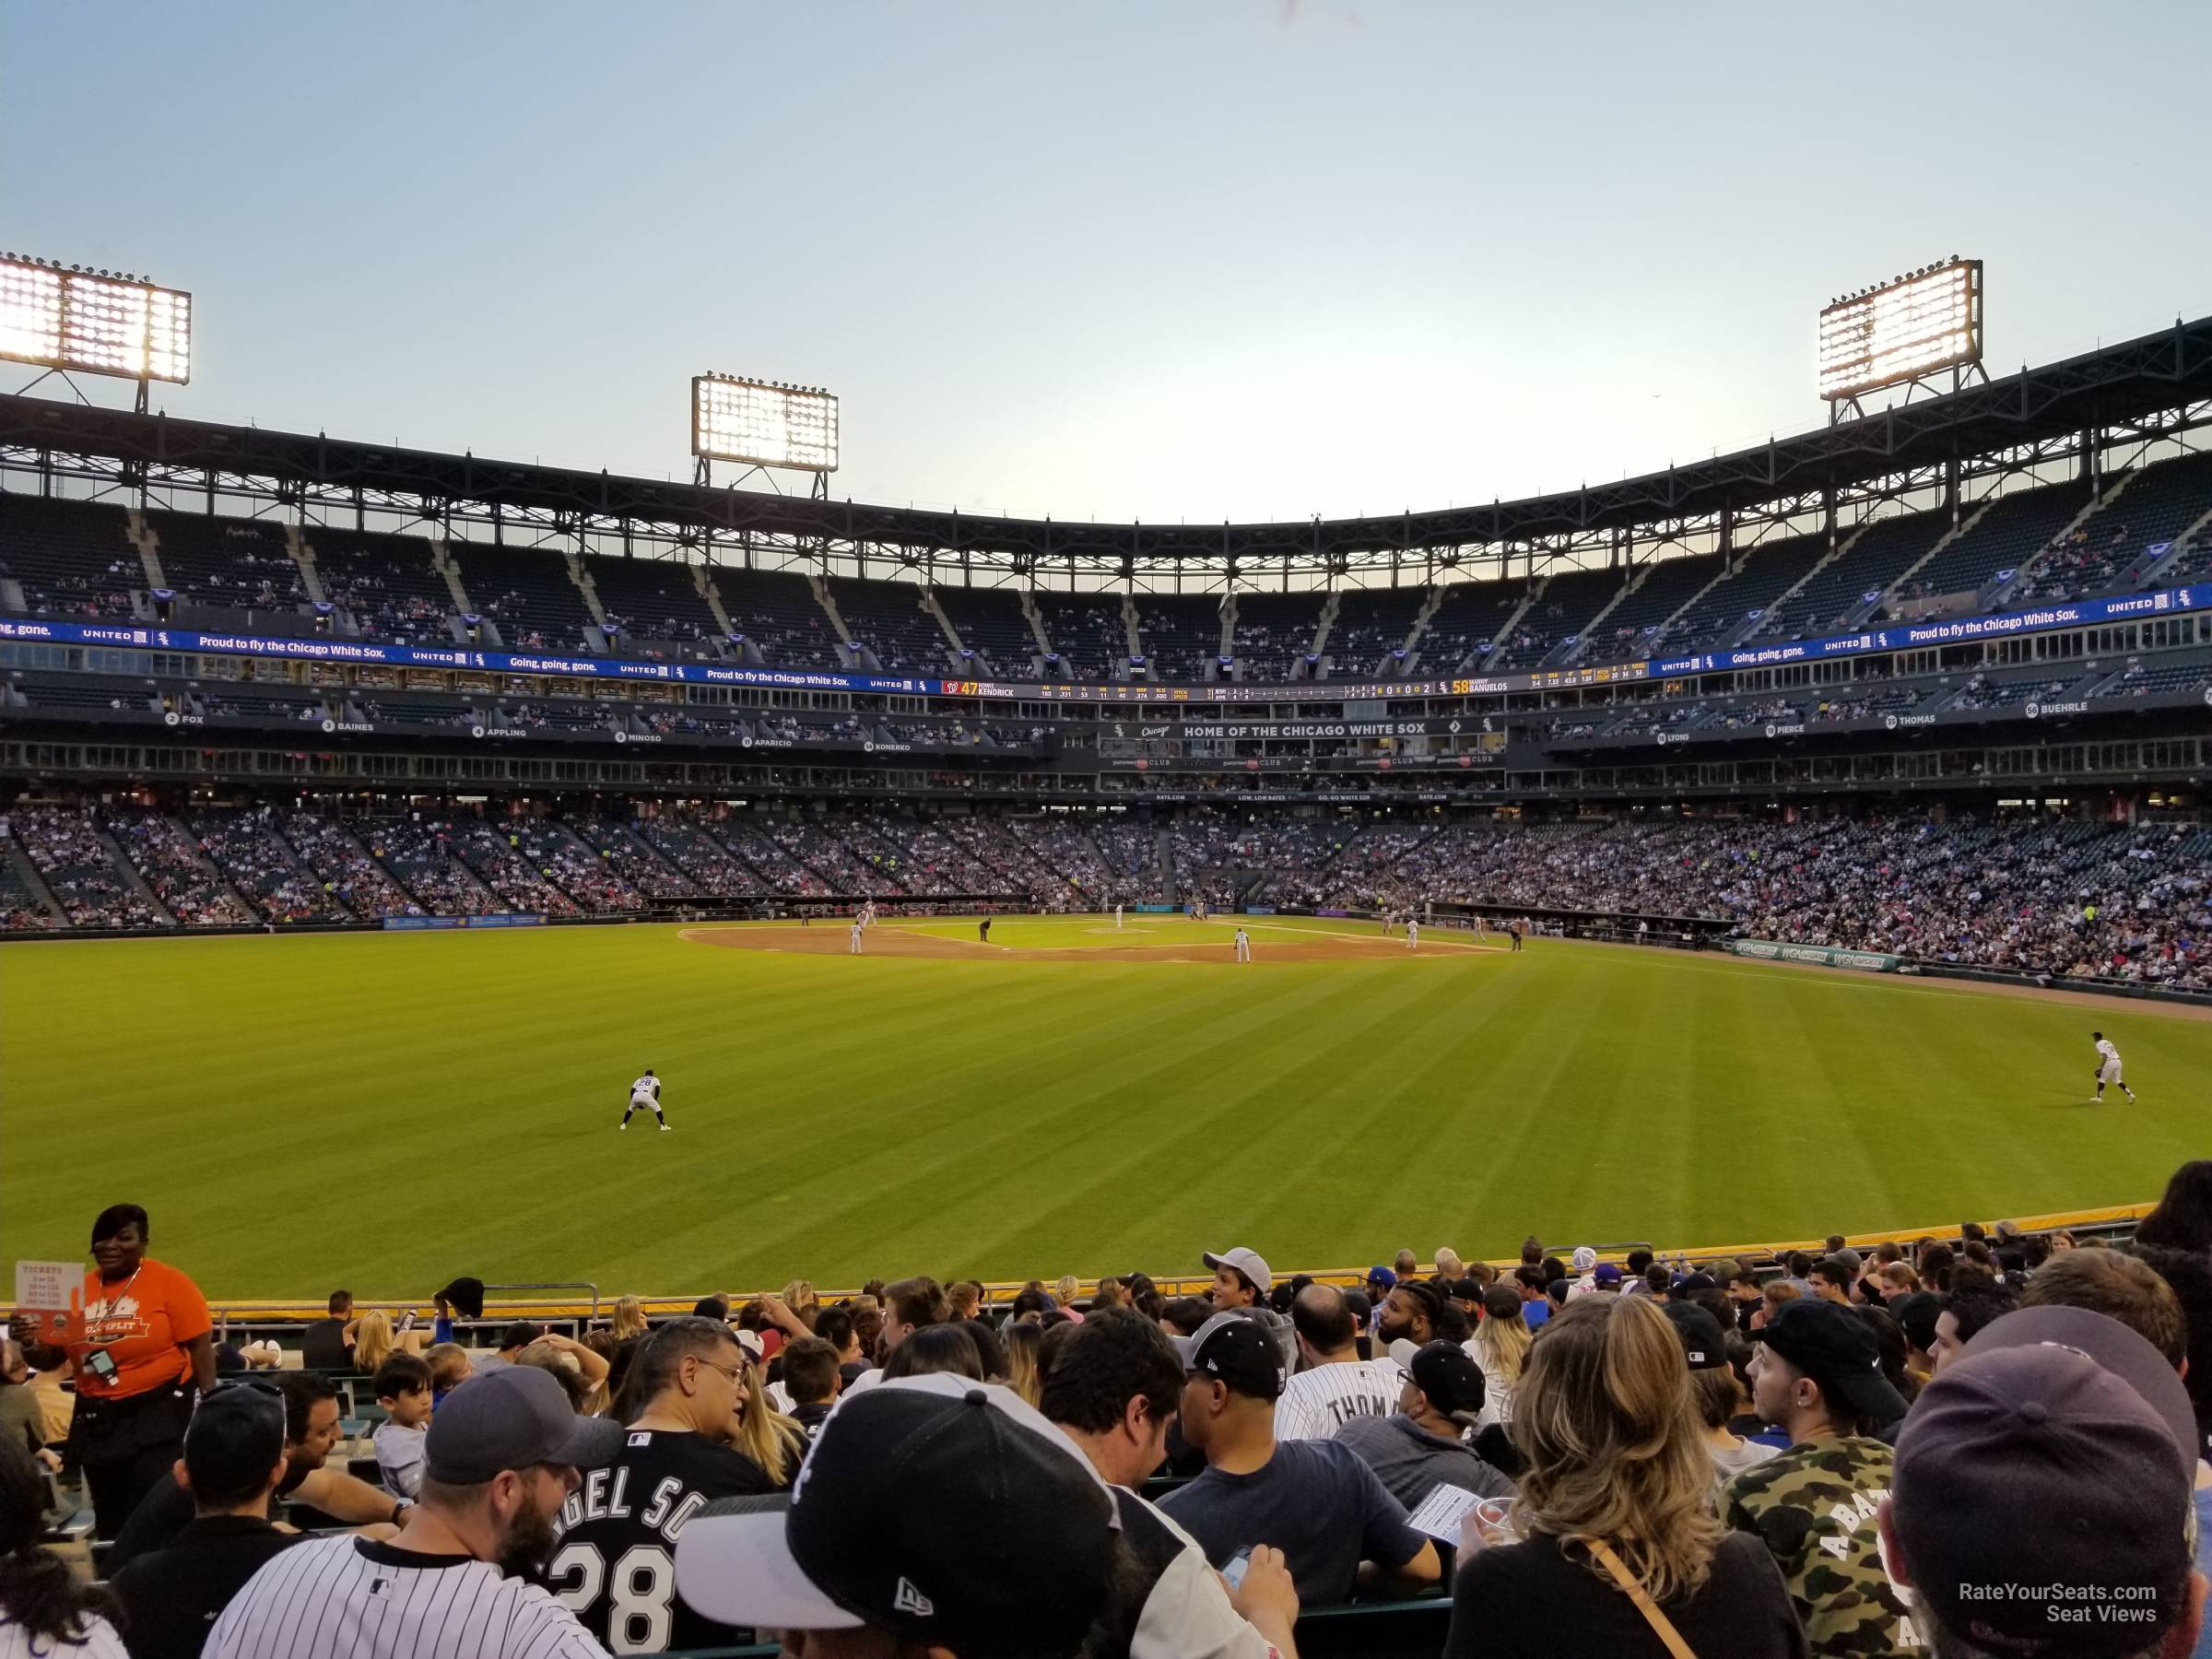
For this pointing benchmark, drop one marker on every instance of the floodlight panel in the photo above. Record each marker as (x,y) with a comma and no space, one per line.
(1916,325)
(78,319)
(763,425)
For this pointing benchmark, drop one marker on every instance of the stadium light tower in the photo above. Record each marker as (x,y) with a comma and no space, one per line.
(75,321)
(763,423)
(1904,331)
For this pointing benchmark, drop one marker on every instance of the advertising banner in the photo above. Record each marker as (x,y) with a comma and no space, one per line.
(437,924)
(1897,637)
(1821,956)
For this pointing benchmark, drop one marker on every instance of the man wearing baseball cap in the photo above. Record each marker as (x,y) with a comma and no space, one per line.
(1314,1500)
(1242,1281)
(1441,1394)
(1818,1375)
(933,1510)
(1585,1272)
(1714,1390)
(503,1453)
(2042,1501)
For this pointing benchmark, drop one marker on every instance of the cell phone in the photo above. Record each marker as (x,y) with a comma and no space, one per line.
(1239,1564)
(406,1321)
(102,1364)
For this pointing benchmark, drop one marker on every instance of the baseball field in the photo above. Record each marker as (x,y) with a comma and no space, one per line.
(389,1111)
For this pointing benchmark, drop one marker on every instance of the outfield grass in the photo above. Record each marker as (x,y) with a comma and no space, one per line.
(387,1111)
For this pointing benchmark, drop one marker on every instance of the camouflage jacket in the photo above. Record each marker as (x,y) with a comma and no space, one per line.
(1814,1506)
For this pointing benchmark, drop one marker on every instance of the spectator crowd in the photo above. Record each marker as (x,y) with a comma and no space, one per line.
(2026,893)
(1949,1446)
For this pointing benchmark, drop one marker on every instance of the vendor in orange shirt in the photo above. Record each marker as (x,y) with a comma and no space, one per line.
(147,1354)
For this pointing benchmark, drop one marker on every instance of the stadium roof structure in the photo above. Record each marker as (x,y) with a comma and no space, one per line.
(2154,386)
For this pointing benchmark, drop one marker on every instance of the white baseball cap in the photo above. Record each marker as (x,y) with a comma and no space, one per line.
(1585,1258)
(1249,1263)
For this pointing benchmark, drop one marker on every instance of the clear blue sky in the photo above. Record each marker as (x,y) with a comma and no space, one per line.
(1156,258)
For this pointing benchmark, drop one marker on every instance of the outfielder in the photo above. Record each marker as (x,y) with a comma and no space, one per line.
(2108,1066)
(1243,946)
(855,949)
(645,1096)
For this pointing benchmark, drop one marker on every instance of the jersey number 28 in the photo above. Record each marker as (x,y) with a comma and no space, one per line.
(638,1593)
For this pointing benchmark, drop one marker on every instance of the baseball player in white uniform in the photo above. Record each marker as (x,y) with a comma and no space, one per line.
(1117,918)
(1243,946)
(858,926)
(2108,1066)
(1413,932)
(645,1096)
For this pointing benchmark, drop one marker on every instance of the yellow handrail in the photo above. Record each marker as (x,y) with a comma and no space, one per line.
(257,1308)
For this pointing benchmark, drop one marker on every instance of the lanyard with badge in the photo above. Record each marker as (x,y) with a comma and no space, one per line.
(100,1362)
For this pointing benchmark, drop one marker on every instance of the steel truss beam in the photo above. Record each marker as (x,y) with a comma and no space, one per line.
(2158,387)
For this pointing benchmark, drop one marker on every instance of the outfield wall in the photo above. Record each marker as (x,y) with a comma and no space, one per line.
(2113,1218)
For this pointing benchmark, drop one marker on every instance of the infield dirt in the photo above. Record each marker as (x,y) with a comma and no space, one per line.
(1269,944)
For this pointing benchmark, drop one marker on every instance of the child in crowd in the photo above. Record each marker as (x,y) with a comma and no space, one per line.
(402,1389)
(810,1378)
(449,1369)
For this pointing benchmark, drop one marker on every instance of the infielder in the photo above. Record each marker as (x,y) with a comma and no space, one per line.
(2108,1066)
(645,1096)
(1117,918)
(855,949)
(1413,932)
(1243,946)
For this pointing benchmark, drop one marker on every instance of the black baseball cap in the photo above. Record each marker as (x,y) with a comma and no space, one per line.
(2111,1345)
(1445,1372)
(1831,1344)
(511,1419)
(466,1296)
(1918,1313)
(944,1511)
(1238,1351)
(2051,1420)
(1702,1344)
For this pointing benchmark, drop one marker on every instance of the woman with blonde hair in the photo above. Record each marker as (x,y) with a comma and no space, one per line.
(1022,1343)
(630,1319)
(1618,1550)
(764,1434)
(801,1297)
(1500,1349)
(372,1341)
